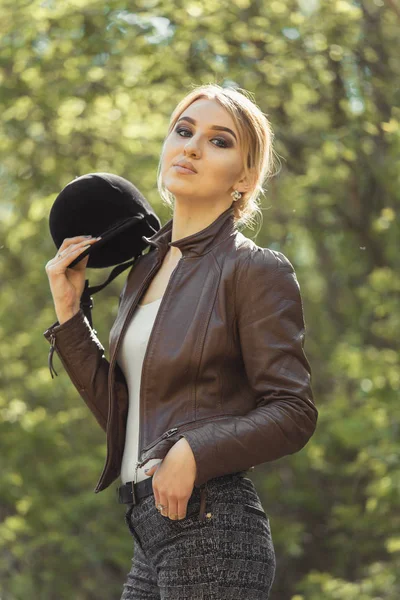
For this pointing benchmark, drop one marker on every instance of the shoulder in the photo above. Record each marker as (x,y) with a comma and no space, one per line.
(256,261)
(265,281)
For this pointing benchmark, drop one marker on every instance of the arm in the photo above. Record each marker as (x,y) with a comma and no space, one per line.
(271,331)
(72,337)
(82,356)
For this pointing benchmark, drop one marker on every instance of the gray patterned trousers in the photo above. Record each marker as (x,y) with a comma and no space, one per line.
(227,555)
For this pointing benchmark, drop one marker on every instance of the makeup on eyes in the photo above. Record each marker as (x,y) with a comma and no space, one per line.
(228,143)
(215,127)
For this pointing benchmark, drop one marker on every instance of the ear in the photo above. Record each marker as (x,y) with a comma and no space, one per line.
(245,184)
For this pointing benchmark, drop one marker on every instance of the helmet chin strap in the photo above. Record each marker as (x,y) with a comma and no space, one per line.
(87,300)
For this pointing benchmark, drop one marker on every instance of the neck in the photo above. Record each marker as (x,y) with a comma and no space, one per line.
(189,218)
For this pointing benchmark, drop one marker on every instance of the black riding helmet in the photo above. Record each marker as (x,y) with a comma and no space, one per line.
(106,205)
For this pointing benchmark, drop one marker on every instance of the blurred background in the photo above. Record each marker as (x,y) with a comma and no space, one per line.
(89,85)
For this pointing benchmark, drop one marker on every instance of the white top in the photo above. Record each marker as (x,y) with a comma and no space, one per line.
(130,359)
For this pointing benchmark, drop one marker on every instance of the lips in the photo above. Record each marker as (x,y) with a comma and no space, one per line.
(184,170)
(186,165)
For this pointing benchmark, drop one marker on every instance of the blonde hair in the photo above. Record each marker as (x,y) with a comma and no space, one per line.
(255,139)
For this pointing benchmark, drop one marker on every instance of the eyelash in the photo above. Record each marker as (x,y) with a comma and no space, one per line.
(227,145)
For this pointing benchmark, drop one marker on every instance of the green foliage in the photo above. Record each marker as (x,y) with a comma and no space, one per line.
(89,86)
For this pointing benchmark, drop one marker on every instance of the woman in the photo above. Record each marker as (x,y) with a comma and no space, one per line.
(207,374)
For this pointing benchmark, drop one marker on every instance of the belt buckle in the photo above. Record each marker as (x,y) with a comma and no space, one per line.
(133,492)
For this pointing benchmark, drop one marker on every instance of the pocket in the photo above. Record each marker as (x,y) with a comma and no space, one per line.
(192,515)
(191,512)
(128,521)
(249,508)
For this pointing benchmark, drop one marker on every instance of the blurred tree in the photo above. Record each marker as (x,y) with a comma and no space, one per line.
(89,86)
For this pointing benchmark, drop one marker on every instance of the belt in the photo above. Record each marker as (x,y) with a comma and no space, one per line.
(131,493)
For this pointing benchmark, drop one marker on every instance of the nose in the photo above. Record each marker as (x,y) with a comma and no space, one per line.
(191,147)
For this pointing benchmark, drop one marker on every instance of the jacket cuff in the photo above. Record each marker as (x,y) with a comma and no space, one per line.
(69,328)
(82,356)
(207,463)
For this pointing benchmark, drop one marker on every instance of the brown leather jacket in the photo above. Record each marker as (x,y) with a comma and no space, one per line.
(224,367)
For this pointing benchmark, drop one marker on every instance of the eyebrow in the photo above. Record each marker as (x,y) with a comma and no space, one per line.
(216,127)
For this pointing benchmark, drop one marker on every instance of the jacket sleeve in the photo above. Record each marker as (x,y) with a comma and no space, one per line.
(271,332)
(82,356)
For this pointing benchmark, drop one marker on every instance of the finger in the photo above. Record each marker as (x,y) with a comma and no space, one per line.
(151,470)
(181,508)
(70,255)
(61,254)
(163,499)
(156,499)
(155,493)
(173,512)
(74,240)
(81,264)
(71,250)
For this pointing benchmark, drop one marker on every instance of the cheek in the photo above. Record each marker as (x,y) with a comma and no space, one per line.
(172,143)
(223,169)
(170,152)
(167,156)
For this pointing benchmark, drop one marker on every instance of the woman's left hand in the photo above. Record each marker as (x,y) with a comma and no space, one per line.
(173,480)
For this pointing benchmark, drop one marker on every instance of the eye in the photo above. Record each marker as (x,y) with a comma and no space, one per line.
(180,129)
(224,142)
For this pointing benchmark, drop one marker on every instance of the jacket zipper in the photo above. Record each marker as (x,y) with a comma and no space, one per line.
(165,435)
(111,381)
(50,356)
(52,349)
(112,363)
(183,427)
(144,363)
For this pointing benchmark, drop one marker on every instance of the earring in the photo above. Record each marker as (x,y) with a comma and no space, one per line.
(236,195)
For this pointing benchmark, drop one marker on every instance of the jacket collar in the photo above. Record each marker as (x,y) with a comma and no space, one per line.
(198,243)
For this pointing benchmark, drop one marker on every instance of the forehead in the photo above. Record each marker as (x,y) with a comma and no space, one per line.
(209,112)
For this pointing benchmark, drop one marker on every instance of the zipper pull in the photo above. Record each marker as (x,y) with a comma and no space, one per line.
(50,357)
(170,432)
(165,435)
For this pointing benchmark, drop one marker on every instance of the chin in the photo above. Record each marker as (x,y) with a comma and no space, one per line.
(175,187)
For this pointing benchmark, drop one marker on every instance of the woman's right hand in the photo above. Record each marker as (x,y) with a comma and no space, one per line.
(67,284)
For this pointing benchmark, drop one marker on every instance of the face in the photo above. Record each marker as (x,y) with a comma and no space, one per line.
(214,154)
